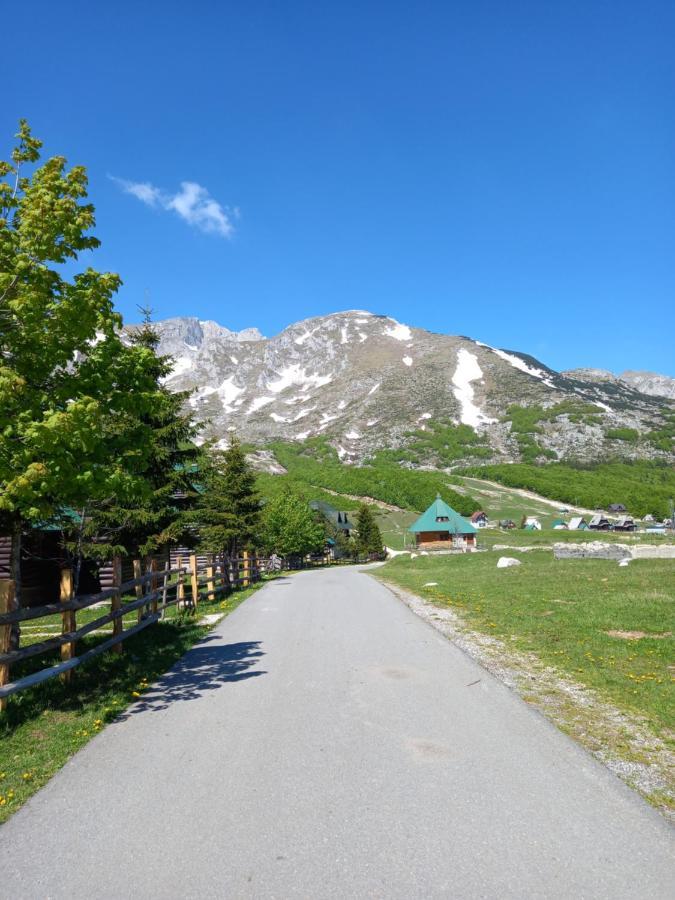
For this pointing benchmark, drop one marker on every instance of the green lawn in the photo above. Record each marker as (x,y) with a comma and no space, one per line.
(44,726)
(562,611)
(393,525)
(518,537)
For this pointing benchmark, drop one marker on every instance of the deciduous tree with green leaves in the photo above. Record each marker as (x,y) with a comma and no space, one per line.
(290,527)
(72,394)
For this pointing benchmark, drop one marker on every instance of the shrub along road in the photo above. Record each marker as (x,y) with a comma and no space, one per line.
(325,742)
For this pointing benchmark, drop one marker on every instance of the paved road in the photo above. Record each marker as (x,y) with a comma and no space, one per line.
(325,742)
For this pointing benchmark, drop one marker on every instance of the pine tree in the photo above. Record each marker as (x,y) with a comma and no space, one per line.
(369,537)
(227,511)
(157,516)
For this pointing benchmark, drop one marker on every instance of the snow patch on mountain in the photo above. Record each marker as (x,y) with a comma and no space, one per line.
(258,403)
(520,364)
(408,360)
(296,375)
(181,365)
(228,393)
(466,372)
(398,332)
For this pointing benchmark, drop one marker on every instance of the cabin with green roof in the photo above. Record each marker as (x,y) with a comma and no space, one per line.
(441,528)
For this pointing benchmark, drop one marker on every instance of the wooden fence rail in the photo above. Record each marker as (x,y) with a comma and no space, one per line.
(150,594)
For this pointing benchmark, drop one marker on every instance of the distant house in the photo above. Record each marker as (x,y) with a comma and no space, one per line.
(441,528)
(559,525)
(599,523)
(578,523)
(336,517)
(507,523)
(532,523)
(625,523)
(479,519)
(616,508)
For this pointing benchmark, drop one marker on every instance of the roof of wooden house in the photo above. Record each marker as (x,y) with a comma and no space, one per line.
(441,517)
(336,516)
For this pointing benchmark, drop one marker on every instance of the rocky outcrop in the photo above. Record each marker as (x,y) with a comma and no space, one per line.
(650,383)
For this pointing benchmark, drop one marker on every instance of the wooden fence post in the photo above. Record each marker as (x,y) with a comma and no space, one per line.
(210,585)
(116,601)
(6,605)
(138,572)
(165,585)
(193,580)
(67,620)
(154,584)
(180,586)
(245,567)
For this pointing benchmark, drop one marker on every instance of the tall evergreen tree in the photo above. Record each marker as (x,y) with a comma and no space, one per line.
(227,511)
(369,538)
(158,516)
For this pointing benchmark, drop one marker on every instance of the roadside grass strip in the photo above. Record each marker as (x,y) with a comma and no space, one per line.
(44,726)
(607,629)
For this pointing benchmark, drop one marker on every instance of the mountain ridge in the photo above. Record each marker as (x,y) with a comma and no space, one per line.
(367,382)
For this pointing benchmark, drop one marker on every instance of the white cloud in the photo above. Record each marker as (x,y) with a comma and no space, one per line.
(192,203)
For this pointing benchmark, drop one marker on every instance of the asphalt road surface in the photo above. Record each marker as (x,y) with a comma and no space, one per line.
(325,742)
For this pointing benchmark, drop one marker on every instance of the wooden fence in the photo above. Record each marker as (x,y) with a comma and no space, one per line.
(181,583)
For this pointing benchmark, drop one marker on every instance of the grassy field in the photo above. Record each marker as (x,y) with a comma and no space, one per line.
(393,526)
(608,627)
(44,726)
(517,537)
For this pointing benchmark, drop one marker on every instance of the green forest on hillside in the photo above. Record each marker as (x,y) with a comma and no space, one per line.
(315,463)
(643,487)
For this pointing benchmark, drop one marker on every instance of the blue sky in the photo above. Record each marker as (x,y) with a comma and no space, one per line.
(500,170)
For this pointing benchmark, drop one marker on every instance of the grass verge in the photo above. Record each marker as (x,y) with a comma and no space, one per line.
(45,725)
(602,628)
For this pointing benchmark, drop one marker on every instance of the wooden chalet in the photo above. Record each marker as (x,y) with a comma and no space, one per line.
(336,517)
(532,523)
(441,528)
(578,523)
(625,523)
(599,523)
(479,519)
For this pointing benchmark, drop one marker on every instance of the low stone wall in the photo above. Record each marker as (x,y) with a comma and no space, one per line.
(591,550)
(606,550)
(652,551)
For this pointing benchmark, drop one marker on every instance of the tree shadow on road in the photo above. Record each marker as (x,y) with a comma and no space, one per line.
(203,668)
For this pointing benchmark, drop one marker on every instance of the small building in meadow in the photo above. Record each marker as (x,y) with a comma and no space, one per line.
(479,519)
(559,525)
(599,523)
(578,523)
(625,523)
(532,523)
(441,528)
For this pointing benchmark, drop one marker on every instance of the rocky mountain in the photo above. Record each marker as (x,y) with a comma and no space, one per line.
(366,382)
(644,382)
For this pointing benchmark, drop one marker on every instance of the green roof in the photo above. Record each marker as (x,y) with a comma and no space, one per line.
(449,519)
